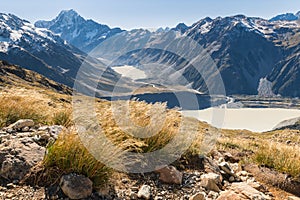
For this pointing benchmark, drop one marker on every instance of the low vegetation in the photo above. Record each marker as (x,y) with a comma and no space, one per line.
(280,157)
(69,154)
(13,108)
(278,150)
(63,117)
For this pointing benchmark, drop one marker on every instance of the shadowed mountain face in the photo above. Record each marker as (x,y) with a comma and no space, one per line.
(81,33)
(14,75)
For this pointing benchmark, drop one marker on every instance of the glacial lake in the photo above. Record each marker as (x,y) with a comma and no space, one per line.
(253,119)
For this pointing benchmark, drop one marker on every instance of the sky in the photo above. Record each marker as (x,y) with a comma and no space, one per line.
(130,14)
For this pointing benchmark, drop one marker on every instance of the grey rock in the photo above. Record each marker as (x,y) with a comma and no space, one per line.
(22,123)
(18,156)
(226,168)
(55,130)
(76,186)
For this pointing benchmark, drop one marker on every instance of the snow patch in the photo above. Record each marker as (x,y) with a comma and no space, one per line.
(5,17)
(15,35)
(4,47)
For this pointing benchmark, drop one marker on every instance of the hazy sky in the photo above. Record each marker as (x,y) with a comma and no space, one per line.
(130,14)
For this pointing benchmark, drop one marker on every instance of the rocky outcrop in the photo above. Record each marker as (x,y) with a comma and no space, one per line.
(18,156)
(211,181)
(23,146)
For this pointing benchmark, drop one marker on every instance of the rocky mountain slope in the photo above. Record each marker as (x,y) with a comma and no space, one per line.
(13,75)
(244,49)
(81,33)
(42,51)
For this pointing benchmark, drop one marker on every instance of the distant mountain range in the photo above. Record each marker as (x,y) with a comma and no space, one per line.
(244,49)
(286,17)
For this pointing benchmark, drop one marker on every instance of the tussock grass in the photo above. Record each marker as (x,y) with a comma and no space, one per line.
(123,127)
(280,157)
(68,155)
(63,117)
(13,108)
(151,126)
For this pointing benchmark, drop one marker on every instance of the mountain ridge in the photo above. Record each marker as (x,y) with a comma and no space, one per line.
(245,50)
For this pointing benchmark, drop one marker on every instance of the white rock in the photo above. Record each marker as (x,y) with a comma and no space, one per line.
(18,156)
(293,198)
(22,123)
(145,192)
(248,191)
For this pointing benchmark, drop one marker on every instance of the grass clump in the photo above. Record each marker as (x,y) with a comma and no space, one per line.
(63,117)
(13,108)
(280,157)
(69,155)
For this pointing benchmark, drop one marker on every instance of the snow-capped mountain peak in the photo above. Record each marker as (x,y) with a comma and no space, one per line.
(14,30)
(82,33)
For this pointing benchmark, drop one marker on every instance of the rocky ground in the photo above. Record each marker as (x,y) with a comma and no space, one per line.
(218,176)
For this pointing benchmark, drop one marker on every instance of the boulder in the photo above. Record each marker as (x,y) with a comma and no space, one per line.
(211,181)
(248,191)
(209,165)
(228,194)
(169,174)
(22,123)
(226,168)
(198,196)
(76,186)
(144,192)
(18,156)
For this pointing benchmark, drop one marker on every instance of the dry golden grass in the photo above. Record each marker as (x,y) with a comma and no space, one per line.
(13,108)
(268,149)
(280,157)
(68,154)
(63,117)
(42,106)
